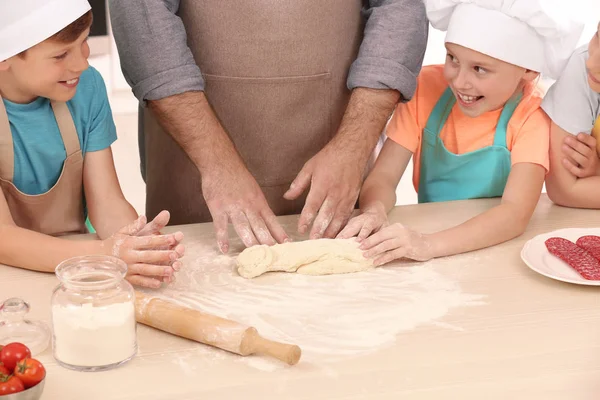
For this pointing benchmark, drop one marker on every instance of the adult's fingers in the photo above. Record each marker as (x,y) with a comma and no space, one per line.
(323,219)
(260,229)
(220,220)
(275,227)
(243,228)
(299,184)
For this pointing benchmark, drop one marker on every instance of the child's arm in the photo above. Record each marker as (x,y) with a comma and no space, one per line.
(563,187)
(31,250)
(107,207)
(499,224)
(378,194)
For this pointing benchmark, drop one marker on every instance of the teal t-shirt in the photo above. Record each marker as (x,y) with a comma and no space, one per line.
(38,145)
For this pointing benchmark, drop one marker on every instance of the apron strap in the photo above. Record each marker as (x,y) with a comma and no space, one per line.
(66,126)
(507,113)
(7,152)
(440,113)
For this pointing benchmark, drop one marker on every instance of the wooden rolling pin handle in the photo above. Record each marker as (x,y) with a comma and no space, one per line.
(253,343)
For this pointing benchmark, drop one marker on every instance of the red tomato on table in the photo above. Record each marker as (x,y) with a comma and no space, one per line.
(13,353)
(4,370)
(10,384)
(30,371)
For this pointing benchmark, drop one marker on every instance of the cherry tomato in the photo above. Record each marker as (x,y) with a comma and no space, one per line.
(30,371)
(4,370)
(13,353)
(10,384)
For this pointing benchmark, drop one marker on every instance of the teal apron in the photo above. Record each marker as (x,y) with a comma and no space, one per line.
(446,176)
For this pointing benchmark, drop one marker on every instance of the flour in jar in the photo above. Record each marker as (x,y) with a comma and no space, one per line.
(88,336)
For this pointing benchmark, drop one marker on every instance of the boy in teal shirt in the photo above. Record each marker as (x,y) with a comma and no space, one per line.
(56,129)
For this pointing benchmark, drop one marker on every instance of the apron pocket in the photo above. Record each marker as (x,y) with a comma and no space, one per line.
(276,123)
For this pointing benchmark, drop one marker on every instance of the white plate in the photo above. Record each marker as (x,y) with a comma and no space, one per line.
(538,258)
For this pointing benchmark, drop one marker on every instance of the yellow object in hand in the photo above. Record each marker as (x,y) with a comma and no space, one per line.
(596,134)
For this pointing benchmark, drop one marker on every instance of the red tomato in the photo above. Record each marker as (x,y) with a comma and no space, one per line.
(30,371)
(4,370)
(10,384)
(13,353)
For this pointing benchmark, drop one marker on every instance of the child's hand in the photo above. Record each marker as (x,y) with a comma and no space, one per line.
(154,227)
(395,242)
(581,155)
(371,220)
(147,264)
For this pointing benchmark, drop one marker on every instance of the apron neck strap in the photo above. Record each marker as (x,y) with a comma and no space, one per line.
(7,156)
(505,116)
(66,126)
(440,112)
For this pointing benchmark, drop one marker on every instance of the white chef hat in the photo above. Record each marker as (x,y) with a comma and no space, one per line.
(25,23)
(532,34)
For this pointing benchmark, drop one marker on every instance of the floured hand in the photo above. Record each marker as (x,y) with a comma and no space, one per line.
(372,220)
(147,265)
(154,227)
(395,242)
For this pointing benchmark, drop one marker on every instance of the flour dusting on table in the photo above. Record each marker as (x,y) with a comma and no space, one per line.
(330,317)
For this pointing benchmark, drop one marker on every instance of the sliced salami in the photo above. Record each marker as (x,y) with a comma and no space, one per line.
(591,244)
(577,258)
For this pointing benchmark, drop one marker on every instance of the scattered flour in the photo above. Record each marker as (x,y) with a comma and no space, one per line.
(330,317)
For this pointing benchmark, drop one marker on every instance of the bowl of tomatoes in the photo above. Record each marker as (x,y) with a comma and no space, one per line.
(21,377)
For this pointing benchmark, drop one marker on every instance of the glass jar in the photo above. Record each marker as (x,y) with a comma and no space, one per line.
(93,314)
(16,327)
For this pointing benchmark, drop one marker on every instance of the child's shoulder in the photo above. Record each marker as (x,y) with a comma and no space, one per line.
(91,92)
(432,75)
(90,79)
(431,83)
(530,107)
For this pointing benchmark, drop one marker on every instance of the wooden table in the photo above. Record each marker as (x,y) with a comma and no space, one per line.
(535,338)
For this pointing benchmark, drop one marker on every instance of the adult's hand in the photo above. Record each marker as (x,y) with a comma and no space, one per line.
(232,194)
(230,191)
(335,174)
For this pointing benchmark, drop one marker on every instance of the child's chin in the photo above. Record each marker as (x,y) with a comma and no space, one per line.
(61,96)
(473,112)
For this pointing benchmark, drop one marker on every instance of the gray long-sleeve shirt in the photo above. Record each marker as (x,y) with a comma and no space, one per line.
(157,62)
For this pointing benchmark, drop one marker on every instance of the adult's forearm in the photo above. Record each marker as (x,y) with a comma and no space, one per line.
(364,120)
(190,120)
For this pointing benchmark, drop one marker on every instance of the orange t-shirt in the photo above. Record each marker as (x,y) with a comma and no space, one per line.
(527,136)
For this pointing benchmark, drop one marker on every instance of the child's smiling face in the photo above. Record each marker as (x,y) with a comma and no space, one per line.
(50,69)
(593,62)
(481,83)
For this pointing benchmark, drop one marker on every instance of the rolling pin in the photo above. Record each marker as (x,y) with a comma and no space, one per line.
(209,329)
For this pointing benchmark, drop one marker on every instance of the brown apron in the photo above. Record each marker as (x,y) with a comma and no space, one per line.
(60,210)
(275,74)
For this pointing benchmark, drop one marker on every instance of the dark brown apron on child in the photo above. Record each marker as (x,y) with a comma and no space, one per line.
(60,210)
(275,75)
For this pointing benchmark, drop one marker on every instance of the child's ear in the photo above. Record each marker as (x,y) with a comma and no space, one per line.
(530,75)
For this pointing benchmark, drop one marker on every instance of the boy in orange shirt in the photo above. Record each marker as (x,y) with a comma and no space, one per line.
(474,127)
